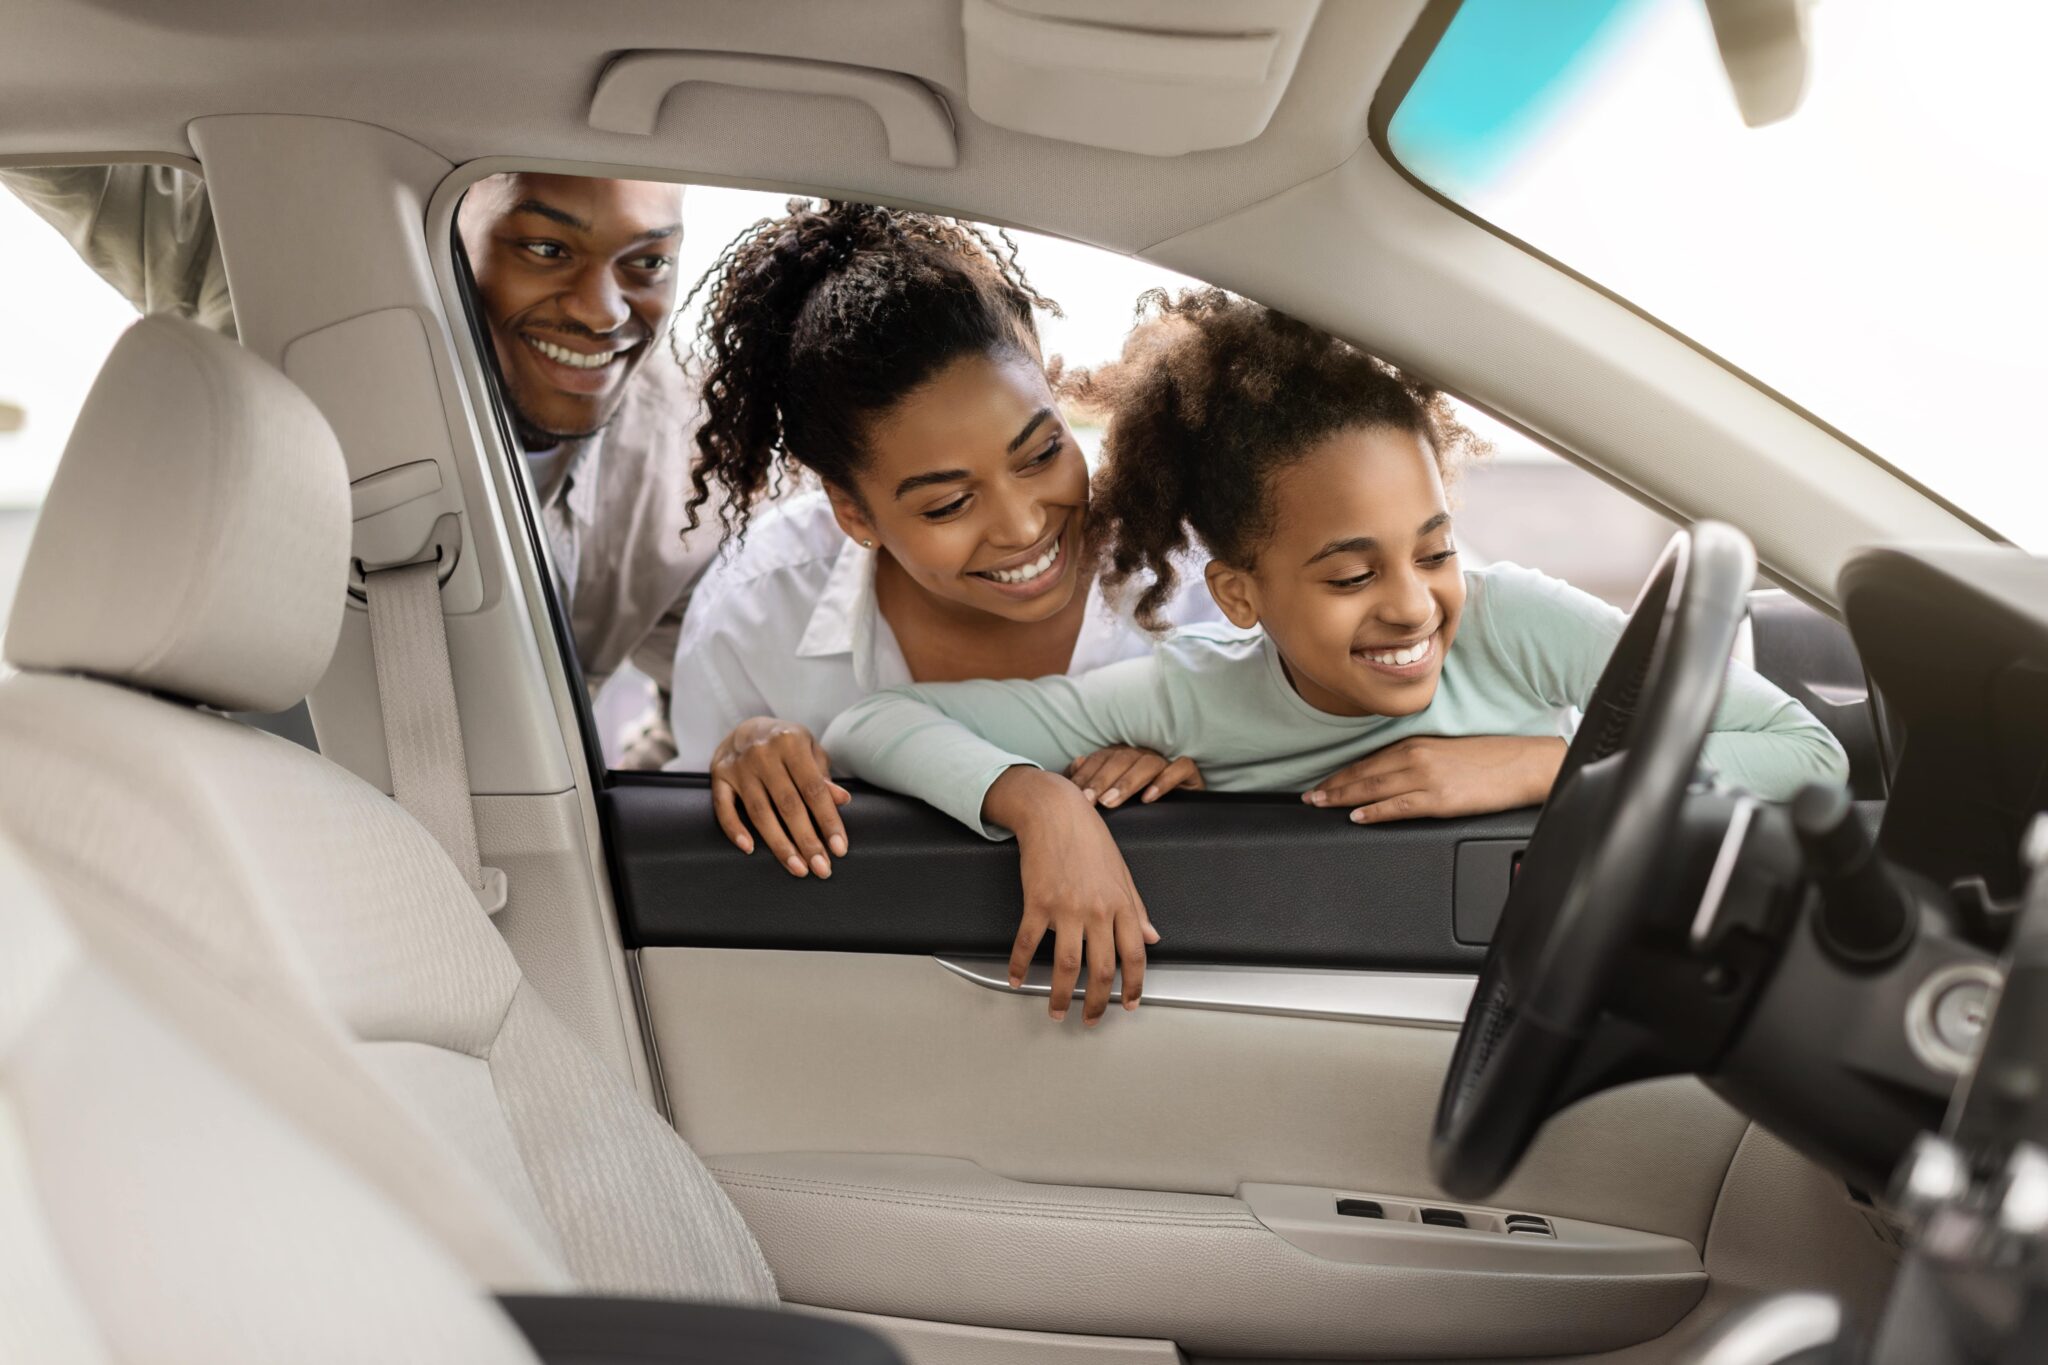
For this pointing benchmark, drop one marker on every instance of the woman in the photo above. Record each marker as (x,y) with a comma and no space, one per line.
(892,355)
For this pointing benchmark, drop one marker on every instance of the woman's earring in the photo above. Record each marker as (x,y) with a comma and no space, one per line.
(867,545)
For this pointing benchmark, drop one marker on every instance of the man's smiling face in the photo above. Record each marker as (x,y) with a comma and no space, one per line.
(577,280)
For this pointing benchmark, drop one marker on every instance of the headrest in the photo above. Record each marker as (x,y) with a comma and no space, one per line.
(196,538)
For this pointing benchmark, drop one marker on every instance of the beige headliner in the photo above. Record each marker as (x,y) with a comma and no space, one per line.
(1308,217)
(471,78)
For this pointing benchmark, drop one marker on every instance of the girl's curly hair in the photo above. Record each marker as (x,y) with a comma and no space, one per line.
(822,318)
(1212,395)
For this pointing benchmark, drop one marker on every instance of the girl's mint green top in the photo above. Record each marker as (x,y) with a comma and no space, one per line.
(1524,662)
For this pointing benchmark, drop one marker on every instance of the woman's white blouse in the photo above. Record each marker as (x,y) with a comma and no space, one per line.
(786,624)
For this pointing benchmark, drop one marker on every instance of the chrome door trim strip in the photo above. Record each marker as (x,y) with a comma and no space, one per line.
(1409,999)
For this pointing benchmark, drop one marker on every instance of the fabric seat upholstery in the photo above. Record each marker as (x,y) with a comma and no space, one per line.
(276,867)
(151,1208)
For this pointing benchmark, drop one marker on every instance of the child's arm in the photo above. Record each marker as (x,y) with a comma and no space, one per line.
(947,743)
(1077,891)
(929,742)
(1560,638)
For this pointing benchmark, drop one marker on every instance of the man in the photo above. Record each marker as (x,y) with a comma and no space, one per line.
(576,280)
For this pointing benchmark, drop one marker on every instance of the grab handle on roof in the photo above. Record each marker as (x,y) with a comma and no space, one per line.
(919,125)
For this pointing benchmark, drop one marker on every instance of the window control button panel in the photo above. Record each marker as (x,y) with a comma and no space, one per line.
(1363,1228)
(1439,1216)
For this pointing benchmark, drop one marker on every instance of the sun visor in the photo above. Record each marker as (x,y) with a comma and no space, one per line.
(1159,77)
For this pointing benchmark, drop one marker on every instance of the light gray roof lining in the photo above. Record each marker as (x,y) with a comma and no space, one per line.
(474,78)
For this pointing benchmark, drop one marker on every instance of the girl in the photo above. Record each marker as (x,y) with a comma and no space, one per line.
(893,355)
(1314,475)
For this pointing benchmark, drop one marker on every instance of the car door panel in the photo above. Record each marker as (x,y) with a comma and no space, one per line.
(891,1129)
(909,1137)
(768,1051)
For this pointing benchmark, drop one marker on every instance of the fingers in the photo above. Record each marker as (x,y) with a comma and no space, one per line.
(1406,806)
(1102,944)
(1085,771)
(1358,791)
(1180,773)
(722,805)
(1401,754)
(1102,775)
(1066,967)
(1026,946)
(828,819)
(1101,969)
(1095,773)
(782,776)
(816,792)
(761,810)
(1112,776)
(1130,950)
(796,815)
(1123,781)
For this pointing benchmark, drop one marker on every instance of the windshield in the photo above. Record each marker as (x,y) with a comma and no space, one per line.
(1877,257)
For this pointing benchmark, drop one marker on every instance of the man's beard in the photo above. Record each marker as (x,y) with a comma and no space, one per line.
(535,437)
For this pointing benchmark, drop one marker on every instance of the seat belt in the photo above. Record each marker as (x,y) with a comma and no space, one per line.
(422,733)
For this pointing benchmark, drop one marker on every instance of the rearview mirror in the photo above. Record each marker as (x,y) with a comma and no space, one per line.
(1764,50)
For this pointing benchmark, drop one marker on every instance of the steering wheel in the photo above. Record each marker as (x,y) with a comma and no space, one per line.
(1587,875)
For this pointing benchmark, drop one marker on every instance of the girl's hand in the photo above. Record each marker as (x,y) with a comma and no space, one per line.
(1075,886)
(1431,776)
(1111,775)
(781,774)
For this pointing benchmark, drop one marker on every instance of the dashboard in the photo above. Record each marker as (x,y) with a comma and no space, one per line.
(1956,643)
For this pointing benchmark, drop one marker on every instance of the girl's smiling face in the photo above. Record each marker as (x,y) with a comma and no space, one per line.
(1357,582)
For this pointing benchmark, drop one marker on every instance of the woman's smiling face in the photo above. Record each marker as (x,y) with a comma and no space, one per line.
(1358,581)
(977,489)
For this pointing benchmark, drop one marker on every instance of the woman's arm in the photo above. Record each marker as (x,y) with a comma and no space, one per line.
(774,769)
(947,743)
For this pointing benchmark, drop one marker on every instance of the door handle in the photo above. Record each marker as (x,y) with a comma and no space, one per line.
(1408,999)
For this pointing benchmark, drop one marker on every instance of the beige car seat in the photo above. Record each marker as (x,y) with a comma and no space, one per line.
(153,1209)
(191,559)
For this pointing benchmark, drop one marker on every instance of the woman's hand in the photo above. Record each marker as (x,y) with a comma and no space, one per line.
(1075,886)
(1111,775)
(781,774)
(1431,776)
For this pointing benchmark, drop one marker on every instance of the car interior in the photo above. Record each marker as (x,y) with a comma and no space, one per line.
(354,1006)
